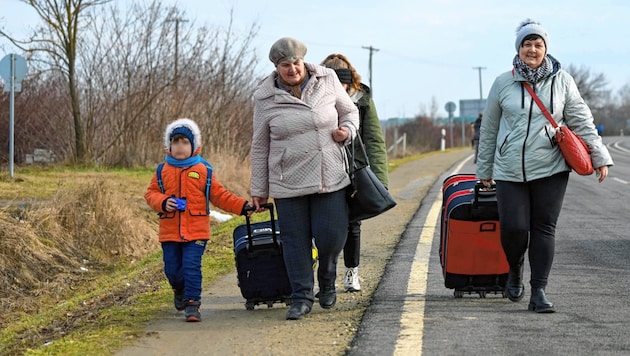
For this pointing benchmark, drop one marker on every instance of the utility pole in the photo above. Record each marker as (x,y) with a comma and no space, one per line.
(480,91)
(372,50)
(177,21)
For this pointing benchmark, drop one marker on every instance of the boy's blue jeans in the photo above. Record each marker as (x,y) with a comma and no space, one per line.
(182,266)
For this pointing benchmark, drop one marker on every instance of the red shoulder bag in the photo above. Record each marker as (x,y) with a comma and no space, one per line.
(573,148)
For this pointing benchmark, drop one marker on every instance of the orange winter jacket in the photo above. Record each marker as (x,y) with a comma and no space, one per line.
(190,183)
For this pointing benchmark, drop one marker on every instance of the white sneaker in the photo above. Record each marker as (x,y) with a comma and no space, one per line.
(351,280)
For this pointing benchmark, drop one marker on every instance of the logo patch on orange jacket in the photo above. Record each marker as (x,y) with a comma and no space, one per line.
(194,175)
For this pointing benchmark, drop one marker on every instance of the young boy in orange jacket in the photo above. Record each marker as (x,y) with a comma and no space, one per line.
(178,192)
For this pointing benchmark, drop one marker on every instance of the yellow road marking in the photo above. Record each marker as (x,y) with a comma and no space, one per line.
(412,319)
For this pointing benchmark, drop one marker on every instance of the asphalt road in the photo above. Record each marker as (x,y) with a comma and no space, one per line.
(412,313)
(404,308)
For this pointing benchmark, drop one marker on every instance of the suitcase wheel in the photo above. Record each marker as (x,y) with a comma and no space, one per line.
(250,305)
(458,294)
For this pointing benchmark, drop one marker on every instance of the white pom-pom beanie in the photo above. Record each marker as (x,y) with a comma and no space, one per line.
(530,27)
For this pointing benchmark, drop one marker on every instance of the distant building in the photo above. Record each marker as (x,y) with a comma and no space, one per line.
(40,155)
(396,121)
(470,108)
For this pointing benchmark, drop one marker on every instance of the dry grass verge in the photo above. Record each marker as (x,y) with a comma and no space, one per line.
(46,247)
(80,263)
(54,250)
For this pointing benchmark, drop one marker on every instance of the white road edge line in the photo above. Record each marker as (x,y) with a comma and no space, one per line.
(409,340)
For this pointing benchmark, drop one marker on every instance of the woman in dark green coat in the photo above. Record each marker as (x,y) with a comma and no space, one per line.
(372,136)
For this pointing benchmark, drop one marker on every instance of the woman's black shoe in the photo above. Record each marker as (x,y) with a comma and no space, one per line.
(298,310)
(328,297)
(514,285)
(539,302)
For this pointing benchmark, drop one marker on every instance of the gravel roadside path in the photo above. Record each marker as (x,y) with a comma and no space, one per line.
(229,329)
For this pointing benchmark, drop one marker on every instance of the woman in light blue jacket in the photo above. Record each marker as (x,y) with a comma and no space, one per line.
(517,149)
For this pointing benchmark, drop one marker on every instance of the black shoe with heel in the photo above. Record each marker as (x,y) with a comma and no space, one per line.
(514,243)
(514,285)
(539,302)
(328,297)
(298,310)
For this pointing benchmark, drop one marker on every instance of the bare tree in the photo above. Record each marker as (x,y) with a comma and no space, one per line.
(593,87)
(623,98)
(126,78)
(58,39)
(122,85)
(620,113)
(129,67)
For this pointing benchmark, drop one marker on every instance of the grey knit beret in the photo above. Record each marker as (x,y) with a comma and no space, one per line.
(287,49)
(530,27)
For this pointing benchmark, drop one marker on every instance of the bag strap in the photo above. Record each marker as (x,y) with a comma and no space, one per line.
(363,151)
(540,104)
(349,162)
(158,172)
(160,182)
(365,156)
(208,184)
(352,166)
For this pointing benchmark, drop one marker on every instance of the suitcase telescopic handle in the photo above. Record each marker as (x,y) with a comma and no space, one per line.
(484,194)
(250,238)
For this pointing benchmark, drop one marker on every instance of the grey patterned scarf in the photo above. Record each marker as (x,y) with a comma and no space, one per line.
(533,75)
(294,90)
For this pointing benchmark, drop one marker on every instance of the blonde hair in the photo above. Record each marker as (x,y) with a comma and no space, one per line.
(339,61)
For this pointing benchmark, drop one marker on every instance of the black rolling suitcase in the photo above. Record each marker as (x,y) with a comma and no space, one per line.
(262,275)
(471,254)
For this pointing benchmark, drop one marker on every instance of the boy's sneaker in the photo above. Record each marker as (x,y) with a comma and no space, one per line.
(351,280)
(193,312)
(178,300)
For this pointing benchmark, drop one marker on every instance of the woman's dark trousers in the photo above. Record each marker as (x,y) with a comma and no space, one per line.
(528,213)
(323,217)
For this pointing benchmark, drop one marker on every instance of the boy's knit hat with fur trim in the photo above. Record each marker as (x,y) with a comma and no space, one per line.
(186,127)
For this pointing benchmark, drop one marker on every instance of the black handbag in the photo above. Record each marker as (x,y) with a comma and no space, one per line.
(367,196)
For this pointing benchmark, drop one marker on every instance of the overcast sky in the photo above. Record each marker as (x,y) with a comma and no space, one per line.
(424,50)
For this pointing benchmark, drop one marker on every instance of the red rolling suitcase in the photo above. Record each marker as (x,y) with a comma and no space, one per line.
(471,254)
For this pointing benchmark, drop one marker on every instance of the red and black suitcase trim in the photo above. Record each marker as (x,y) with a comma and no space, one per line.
(471,254)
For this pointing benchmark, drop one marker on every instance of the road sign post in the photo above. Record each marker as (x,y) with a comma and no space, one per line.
(450,108)
(12,70)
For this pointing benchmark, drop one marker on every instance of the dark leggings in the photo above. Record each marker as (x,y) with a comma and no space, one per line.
(352,249)
(532,207)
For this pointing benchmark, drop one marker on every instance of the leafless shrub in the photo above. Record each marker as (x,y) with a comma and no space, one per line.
(125,75)
(46,248)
